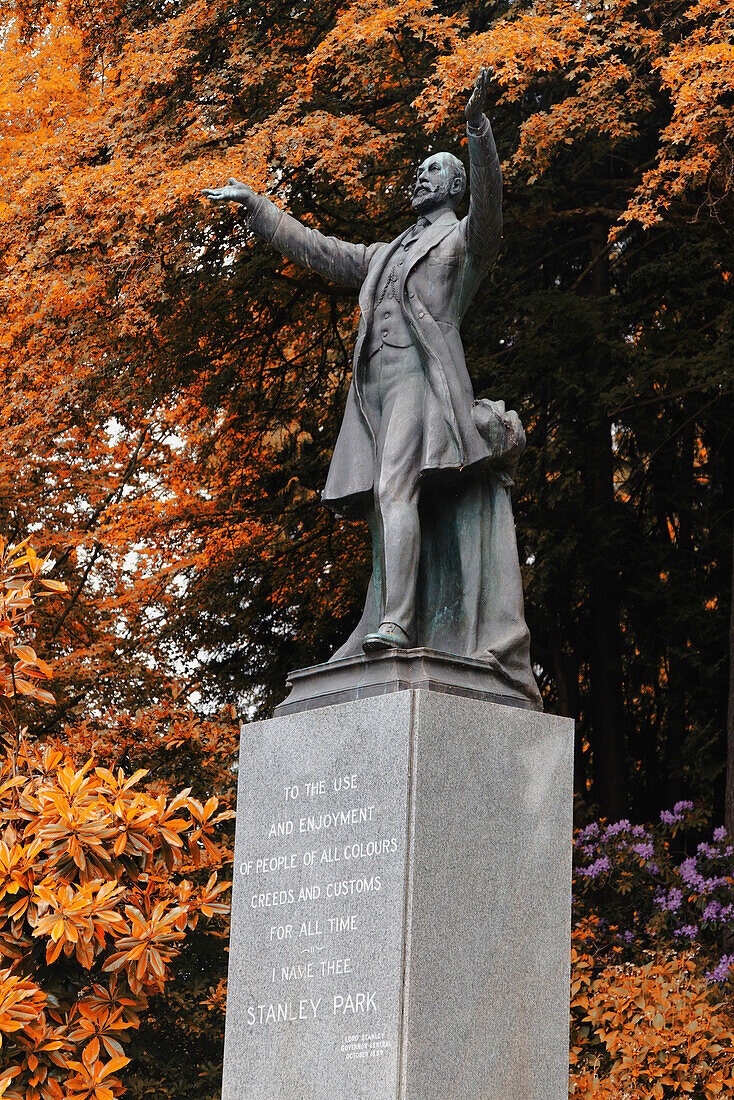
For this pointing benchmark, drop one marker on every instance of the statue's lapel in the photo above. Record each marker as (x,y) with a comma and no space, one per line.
(429,238)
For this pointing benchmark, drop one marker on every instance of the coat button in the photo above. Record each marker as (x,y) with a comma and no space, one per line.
(387,313)
(411,294)
(421,314)
(384,332)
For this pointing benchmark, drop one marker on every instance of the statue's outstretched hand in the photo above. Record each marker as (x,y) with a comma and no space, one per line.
(234,191)
(478,98)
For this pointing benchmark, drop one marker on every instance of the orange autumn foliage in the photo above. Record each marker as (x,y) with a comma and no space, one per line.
(181,386)
(101,881)
(21,670)
(171,390)
(597,72)
(648,1031)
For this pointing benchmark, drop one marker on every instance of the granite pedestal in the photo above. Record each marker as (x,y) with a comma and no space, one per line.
(401,902)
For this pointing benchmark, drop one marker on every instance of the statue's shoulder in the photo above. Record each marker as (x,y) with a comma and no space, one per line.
(378,250)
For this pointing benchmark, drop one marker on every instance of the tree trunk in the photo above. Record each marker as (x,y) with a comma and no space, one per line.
(605,665)
(728,938)
(729,796)
(566,676)
(680,474)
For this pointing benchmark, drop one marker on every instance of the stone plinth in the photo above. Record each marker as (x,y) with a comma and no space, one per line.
(401,904)
(399,670)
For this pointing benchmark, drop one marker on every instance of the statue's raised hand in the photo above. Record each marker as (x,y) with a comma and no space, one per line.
(478,98)
(234,191)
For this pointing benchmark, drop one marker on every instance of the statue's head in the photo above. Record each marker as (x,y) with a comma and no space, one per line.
(440,181)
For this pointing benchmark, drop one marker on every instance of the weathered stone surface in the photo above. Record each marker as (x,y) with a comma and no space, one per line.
(437,946)
(489,916)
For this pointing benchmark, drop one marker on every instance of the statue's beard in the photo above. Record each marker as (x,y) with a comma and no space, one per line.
(426,198)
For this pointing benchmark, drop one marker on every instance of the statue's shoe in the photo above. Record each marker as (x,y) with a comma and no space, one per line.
(387,636)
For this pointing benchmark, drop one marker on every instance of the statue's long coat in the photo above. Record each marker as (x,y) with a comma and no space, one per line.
(474,532)
(443,271)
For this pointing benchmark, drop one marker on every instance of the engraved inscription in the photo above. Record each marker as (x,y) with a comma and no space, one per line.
(325,861)
(358,1047)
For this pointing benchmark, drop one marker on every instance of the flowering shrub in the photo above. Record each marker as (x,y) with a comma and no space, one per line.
(180,1038)
(650,894)
(641,1031)
(94,904)
(648,1015)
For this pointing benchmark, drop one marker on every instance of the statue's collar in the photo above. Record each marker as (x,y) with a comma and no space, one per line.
(445,217)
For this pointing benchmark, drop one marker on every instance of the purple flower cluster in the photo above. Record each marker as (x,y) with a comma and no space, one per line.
(722,971)
(648,894)
(715,911)
(673,900)
(598,867)
(677,814)
(690,874)
(689,931)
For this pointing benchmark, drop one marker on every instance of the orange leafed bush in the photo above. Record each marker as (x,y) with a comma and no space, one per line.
(20,668)
(646,1031)
(95,898)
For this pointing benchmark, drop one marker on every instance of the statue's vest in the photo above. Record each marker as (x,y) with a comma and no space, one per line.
(388,325)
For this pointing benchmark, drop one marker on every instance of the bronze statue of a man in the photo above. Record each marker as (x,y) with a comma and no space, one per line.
(426,465)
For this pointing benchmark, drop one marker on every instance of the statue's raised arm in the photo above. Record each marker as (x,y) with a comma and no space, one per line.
(337,260)
(483,226)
